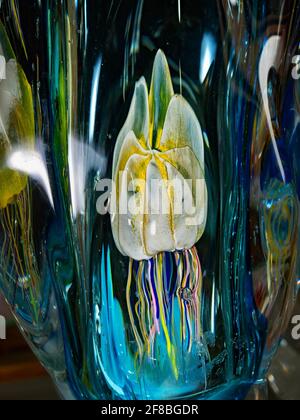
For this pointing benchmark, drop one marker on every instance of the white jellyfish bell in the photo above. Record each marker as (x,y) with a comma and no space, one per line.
(161,144)
(158,214)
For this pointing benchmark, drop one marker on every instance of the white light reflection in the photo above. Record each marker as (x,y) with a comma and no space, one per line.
(207,55)
(213,309)
(31,163)
(95,90)
(270,58)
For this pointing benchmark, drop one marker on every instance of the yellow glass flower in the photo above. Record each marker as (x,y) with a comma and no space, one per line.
(16,121)
(161,140)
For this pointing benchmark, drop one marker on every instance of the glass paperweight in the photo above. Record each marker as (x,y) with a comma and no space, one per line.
(149,191)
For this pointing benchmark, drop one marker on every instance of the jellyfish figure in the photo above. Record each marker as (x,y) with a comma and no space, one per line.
(158,215)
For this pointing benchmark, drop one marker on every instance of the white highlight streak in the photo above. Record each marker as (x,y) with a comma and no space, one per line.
(179,10)
(270,59)
(31,163)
